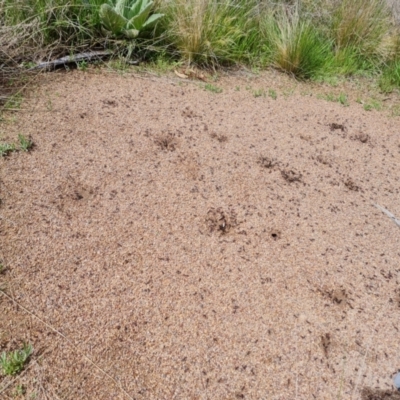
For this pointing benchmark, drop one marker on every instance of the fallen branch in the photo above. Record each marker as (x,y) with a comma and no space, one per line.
(72,59)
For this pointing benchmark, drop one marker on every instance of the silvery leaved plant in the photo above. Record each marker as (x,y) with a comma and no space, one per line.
(128,18)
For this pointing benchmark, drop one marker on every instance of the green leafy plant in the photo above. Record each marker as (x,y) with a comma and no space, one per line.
(6,148)
(13,362)
(25,144)
(82,66)
(127,18)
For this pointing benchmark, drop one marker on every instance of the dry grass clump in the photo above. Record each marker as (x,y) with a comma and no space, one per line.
(211,31)
(361,24)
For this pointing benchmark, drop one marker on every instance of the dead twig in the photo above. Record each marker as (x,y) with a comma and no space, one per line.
(389,214)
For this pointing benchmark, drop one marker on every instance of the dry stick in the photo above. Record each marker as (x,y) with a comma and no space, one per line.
(389,214)
(68,341)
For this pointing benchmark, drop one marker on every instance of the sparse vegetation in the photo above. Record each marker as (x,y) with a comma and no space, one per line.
(6,149)
(341,98)
(272,93)
(258,92)
(25,144)
(390,78)
(373,105)
(13,362)
(212,88)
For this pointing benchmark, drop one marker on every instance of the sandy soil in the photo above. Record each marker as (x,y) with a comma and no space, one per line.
(163,241)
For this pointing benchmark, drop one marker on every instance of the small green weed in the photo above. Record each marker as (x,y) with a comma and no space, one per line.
(342,99)
(396,111)
(13,362)
(6,148)
(13,103)
(327,97)
(258,92)
(29,64)
(25,144)
(20,390)
(272,93)
(49,104)
(82,66)
(212,88)
(373,105)
(288,92)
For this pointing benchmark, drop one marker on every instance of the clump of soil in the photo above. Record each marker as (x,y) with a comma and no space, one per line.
(220,138)
(266,162)
(338,295)
(221,221)
(166,142)
(351,185)
(326,342)
(335,126)
(291,176)
(361,137)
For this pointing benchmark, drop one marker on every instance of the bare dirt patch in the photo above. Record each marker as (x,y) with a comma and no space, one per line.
(150,252)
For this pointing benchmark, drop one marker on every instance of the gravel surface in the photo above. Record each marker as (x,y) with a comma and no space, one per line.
(162,241)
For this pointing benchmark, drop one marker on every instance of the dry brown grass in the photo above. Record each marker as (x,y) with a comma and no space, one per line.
(361,23)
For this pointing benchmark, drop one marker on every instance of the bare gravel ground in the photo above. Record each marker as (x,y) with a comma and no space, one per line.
(163,241)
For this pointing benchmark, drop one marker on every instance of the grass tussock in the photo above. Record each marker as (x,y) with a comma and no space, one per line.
(361,25)
(211,31)
(294,44)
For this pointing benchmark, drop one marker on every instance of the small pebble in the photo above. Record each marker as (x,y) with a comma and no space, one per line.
(396,381)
